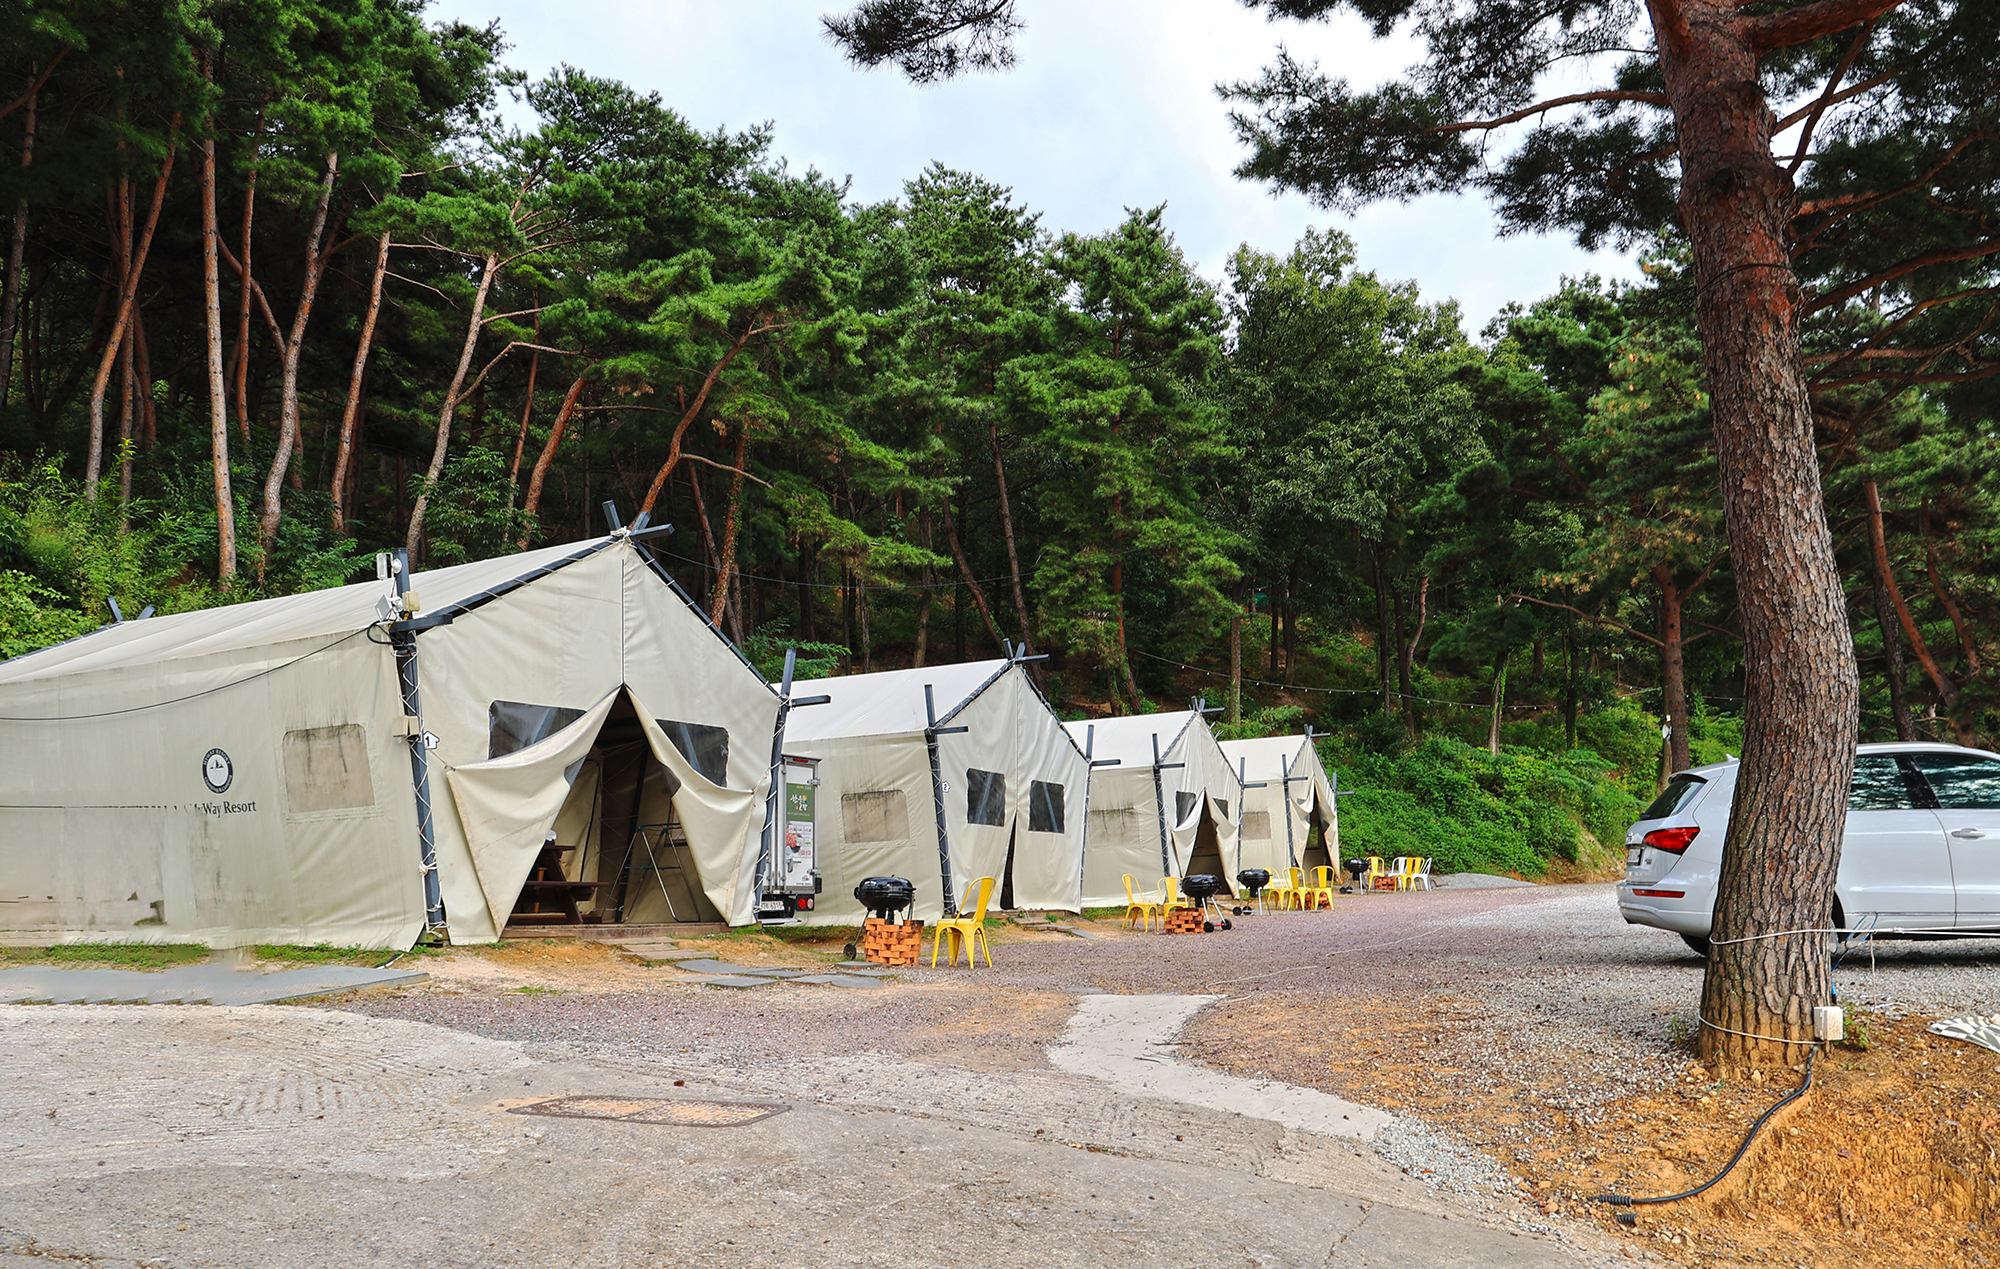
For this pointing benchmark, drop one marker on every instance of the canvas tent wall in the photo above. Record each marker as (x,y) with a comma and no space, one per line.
(1151,822)
(1276,823)
(242,775)
(1009,786)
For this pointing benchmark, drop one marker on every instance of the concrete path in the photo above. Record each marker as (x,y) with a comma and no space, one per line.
(197,1136)
(1128,1042)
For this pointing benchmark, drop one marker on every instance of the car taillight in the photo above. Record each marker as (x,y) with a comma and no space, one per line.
(1674,840)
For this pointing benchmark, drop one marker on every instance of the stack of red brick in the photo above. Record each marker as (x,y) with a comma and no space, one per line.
(1184,921)
(891,943)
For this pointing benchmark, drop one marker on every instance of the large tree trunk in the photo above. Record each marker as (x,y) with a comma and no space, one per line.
(288,385)
(972,583)
(17,246)
(350,414)
(1892,655)
(472,328)
(1673,669)
(1406,657)
(1385,636)
(240,369)
(732,523)
(527,405)
(1766,971)
(128,293)
(218,406)
(1007,532)
(1243,597)
(533,501)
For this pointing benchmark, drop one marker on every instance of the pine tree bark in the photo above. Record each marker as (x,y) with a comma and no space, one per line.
(732,521)
(1673,668)
(17,246)
(527,406)
(218,405)
(288,383)
(1007,531)
(1406,657)
(127,295)
(533,502)
(1892,654)
(415,537)
(240,369)
(1785,830)
(1235,714)
(350,413)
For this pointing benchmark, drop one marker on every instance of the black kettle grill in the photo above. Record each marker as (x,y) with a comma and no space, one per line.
(1253,880)
(885,896)
(1202,887)
(1357,869)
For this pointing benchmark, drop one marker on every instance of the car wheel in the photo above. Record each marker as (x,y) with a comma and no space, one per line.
(1699,942)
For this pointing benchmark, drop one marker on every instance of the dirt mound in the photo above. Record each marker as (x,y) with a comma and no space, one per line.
(1892,1160)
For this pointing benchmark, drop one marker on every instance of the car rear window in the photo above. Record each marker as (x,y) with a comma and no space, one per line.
(1962,783)
(1679,792)
(1878,785)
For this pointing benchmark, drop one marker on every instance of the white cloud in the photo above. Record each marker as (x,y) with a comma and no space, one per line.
(1111,106)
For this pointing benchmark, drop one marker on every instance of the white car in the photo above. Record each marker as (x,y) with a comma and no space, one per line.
(1922,848)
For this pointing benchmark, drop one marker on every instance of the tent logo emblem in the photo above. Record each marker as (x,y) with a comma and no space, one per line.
(216,771)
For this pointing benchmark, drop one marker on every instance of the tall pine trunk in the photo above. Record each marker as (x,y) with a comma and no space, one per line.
(532,503)
(414,539)
(1783,845)
(17,246)
(218,406)
(1673,668)
(127,295)
(350,414)
(288,384)
(1007,532)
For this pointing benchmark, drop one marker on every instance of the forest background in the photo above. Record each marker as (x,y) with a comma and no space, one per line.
(283,290)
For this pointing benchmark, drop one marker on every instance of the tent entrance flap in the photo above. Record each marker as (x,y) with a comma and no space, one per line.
(1206,854)
(586,826)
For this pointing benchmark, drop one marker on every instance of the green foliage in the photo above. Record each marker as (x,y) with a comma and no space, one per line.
(766,650)
(1472,812)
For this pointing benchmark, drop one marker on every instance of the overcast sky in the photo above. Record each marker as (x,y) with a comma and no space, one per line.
(1111,106)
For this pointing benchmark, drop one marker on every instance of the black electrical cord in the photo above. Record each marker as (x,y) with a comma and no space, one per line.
(1624,1200)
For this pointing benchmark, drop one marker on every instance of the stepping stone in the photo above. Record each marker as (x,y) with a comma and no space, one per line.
(724,967)
(1084,934)
(873,971)
(840,980)
(856,964)
(736,980)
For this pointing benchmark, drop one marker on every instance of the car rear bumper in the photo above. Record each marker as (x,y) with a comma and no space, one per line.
(1691,913)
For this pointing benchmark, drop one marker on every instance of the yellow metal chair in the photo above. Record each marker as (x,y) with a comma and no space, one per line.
(1284,889)
(1322,886)
(966,931)
(1377,877)
(1416,873)
(1171,898)
(1145,909)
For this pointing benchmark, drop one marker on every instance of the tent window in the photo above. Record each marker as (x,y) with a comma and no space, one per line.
(706,748)
(874,817)
(985,797)
(1045,807)
(326,769)
(1184,804)
(1257,826)
(1222,804)
(512,726)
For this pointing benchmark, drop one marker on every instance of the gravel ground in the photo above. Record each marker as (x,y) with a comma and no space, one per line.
(1537,988)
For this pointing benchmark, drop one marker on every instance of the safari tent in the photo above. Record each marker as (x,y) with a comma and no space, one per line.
(1168,808)
(942,775)
(305,769)
(1293,820)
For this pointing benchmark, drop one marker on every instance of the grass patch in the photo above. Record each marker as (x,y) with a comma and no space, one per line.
(320,954)
(114,955)
(1104,914)
(540,991)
